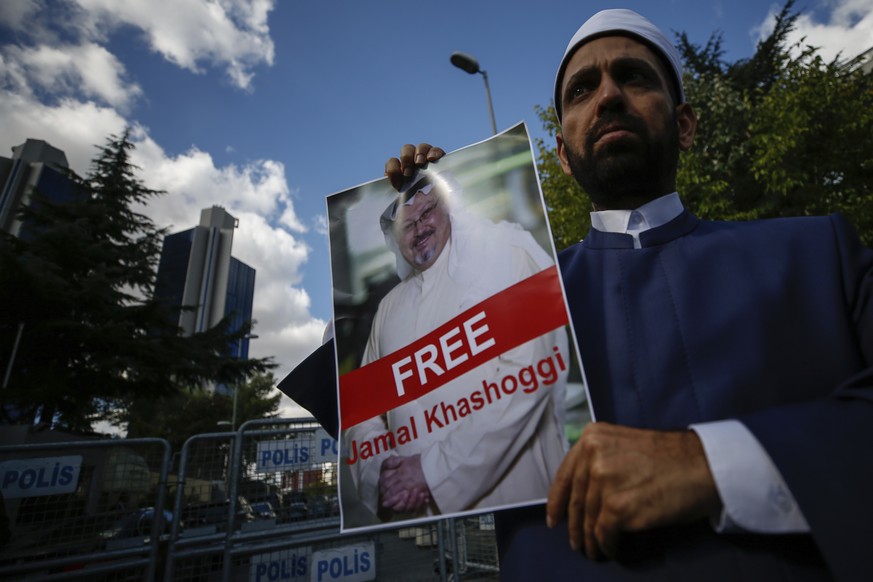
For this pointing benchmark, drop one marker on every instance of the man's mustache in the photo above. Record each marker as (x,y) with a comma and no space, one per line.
(610,122)
(420,237)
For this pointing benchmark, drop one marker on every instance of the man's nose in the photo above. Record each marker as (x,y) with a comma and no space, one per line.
(610,95)
(418,226)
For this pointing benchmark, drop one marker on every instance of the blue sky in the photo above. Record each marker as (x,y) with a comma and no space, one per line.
(267,106)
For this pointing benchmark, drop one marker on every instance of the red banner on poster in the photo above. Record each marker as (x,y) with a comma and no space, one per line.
(518,314)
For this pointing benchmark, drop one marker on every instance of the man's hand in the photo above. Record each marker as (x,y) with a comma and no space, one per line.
(411,157)
(401,484)
(617,479)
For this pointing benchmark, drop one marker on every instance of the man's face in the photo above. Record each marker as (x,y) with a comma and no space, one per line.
(621,131)
(422,229)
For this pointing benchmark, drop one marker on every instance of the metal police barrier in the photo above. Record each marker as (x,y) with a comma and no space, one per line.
(474,548)
(260,505)
(257,504)
(87,508)
(239,495)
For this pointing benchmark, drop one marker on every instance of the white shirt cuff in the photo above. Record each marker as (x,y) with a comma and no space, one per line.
(753,492)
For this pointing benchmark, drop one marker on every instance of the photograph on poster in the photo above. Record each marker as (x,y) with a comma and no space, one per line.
(455,365)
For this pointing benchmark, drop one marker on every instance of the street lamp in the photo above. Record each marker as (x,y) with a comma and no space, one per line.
(248,336)
(470,65)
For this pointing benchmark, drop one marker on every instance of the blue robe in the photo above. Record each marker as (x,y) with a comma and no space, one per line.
(769,322)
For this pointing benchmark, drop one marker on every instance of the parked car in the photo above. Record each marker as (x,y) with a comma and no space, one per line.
(294,508)
(263,510)
(322,506)
(215,514)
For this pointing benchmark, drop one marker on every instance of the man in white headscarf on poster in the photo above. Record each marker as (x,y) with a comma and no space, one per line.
(503,453)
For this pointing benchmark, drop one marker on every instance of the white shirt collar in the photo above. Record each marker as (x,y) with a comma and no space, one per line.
(652,214)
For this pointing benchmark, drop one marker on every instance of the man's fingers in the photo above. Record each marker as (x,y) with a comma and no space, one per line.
(411,158)
(626,479)
(425,153)
(395,501)
(398,169)
(559,493)
(392,462)
(591,519)
(434,154)
(606,534)
(423,498)
(569,494)
(410,503)
(394,173)
(386,481)
(577,510)
(401,484)
(402,499)
(409,155)
(391,488)
(387,474)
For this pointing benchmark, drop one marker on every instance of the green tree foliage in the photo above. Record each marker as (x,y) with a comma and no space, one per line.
(813,140)
(176,417)
(79,282)
(783,133)
(567,203)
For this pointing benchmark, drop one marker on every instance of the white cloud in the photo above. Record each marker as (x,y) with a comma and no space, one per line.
(72,126)
(16,14)
(87,70)
(195,181)
(231,33)
(321,224)
(847,32)
(285,327)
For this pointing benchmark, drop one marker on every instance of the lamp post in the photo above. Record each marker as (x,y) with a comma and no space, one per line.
(248,336)
(12,356)
(470,65)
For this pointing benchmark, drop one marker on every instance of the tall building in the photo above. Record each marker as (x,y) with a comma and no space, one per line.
(34,166)
(196,270)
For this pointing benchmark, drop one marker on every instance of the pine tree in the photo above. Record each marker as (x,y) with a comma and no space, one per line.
(79,281)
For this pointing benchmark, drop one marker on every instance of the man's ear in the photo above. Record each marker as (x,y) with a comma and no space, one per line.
(562,154)
(687,122)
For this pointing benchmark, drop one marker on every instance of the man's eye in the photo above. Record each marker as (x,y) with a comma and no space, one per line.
(637,76)
(578,91)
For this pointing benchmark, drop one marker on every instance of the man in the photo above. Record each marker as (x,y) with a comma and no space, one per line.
(758,336)
(505,451)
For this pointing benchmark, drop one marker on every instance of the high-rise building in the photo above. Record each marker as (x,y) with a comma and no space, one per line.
(34,166)
(197,271)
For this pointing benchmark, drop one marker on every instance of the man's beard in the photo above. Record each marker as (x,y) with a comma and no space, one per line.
(624,175)
(423,255)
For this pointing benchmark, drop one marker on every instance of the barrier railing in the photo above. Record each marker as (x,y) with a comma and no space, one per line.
(256,504)
(84,508)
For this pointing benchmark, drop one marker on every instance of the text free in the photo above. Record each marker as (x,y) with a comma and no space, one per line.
(451,349)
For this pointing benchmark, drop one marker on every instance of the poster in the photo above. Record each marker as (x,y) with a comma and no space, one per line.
(455,367)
